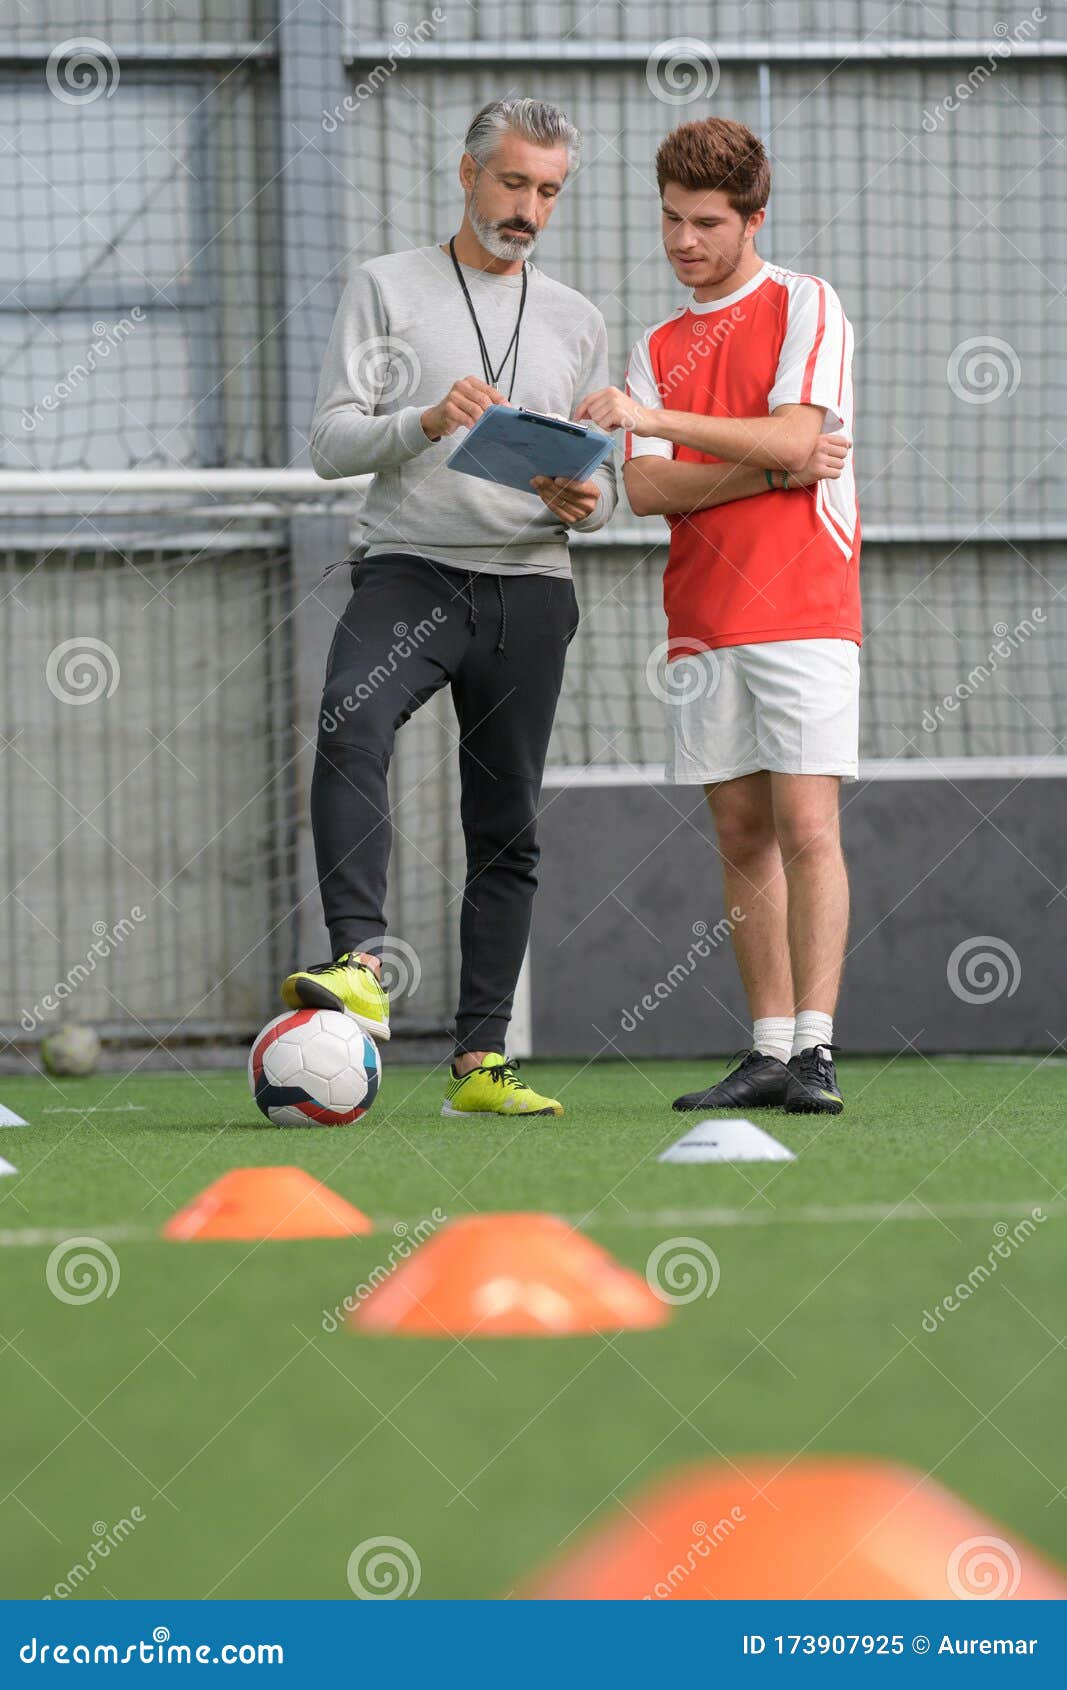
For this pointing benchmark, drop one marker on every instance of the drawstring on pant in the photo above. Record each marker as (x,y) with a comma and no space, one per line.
(472,608)
(503,614)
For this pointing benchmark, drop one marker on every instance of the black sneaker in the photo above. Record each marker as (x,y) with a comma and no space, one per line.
(758,1082)
(812,1085)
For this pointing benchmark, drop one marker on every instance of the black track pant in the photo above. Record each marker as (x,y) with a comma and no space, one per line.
(410,628)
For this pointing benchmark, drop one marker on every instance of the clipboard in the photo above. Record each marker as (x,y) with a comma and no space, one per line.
(509,444)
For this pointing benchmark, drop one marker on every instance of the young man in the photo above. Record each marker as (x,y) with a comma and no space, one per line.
(478,572)
(726,406)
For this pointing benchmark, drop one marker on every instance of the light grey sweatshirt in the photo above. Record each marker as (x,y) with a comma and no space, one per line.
(401,337)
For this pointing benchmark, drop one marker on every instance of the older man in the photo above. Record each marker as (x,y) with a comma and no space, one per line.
(423,342)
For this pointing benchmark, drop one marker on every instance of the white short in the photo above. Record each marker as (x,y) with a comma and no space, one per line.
(787,705)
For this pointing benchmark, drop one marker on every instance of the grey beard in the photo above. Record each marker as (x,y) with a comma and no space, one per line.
(501,246)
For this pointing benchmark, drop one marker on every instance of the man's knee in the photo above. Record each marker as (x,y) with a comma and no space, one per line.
(744,827)
(355,714)
(808,834)
(502,831)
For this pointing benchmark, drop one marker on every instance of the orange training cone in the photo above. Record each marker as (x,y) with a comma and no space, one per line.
(267,1203)
(502,1276)
(840,1528)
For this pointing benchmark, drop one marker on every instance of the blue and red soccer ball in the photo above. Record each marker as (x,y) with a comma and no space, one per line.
(314,1068)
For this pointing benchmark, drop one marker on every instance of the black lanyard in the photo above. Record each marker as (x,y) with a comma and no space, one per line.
(492,376)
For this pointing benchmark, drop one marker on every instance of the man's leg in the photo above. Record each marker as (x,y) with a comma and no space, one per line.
(807,825)
(807,822)
(807,716)
(754,884)
(376,679)
(506,702)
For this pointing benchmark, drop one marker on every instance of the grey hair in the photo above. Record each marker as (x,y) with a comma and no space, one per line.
(544,125)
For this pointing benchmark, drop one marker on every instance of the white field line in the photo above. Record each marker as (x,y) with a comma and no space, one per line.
(828,1215)
(1035,1059)
(820,1215)
(92,1109)
(12,1237)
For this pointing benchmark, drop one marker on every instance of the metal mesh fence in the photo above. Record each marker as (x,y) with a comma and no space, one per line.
(148,782)
(185,189)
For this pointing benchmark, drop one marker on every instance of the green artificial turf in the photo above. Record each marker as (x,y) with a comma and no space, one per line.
(261,1448)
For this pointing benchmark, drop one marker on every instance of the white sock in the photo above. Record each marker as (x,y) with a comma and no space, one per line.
(812,1028)
(772,1035)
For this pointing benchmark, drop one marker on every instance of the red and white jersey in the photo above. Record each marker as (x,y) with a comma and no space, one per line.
(777,565)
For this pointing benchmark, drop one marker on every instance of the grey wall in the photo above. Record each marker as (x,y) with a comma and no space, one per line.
(627,871)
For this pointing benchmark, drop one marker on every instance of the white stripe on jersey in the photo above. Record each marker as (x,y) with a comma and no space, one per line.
(640,384)
(814,363)
(834,532)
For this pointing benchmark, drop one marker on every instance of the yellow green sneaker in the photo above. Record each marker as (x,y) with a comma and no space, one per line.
(495,1089)
(348,985)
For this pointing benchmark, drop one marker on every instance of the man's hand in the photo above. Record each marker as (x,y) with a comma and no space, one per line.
(826,462)
(610,408)
(569,500)
(461,407)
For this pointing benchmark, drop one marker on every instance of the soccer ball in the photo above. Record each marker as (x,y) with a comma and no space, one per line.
(314,1068)
(71,1050)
